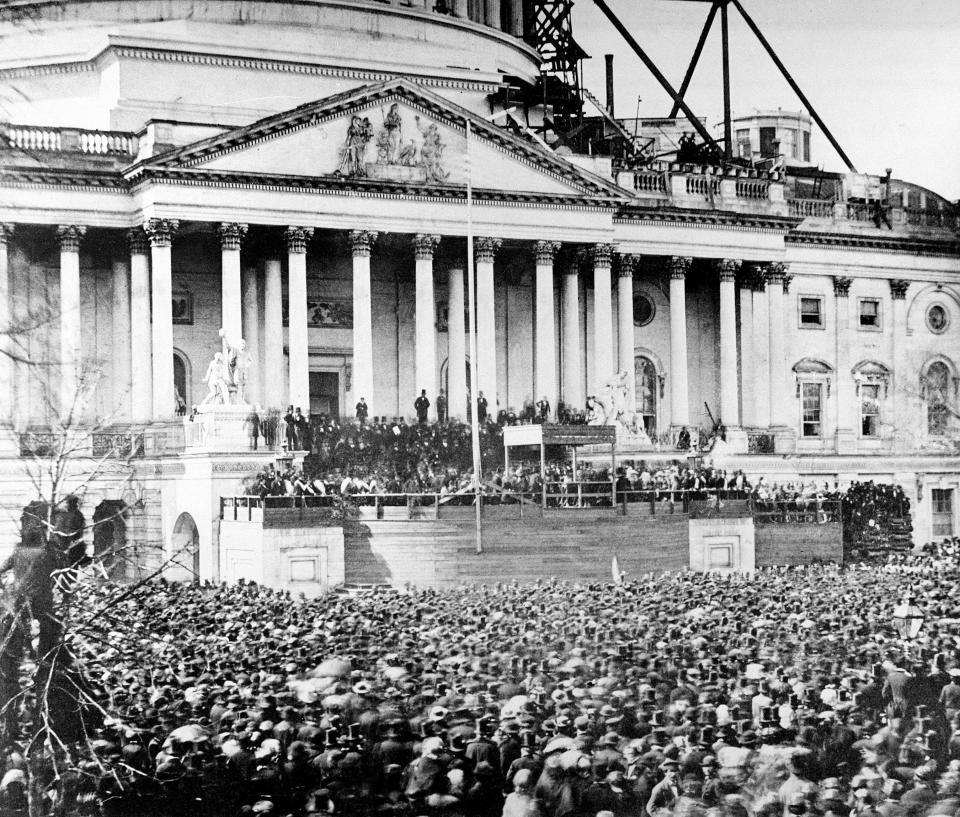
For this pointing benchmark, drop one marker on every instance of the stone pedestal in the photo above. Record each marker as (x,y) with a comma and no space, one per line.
(784,440)
(219,429)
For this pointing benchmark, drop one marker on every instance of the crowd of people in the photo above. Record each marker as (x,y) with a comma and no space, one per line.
(785,692)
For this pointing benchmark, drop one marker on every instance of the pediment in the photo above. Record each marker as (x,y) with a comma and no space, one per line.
(395,133)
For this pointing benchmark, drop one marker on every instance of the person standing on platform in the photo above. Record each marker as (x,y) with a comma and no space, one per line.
(481,408)
(302,427)
(362,411)
(253,427)
(543,410)
(422,406)
(290,428)
(441,407)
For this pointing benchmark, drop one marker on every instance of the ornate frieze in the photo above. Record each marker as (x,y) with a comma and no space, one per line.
(161,231)
(485,248)
(69,236)
(297,238)
(361,242)
(424,246)
(231,235)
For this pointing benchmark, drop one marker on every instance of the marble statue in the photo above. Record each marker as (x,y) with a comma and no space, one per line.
(238,362)
(217,380)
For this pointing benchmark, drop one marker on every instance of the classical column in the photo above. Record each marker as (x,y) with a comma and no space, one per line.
(425,325)
(70,237)
(747,373)
(844,398)
(141,340)
(298,340)
(231,236)
(729,386)
(6,364)
(484,250)
(361,242)
(251,334)
(491,13)
(761,346)
(603,366)
(273,334)
(546,334)
(161,232)
(625,325)
(679,389)
(780,404)
(121,353)
(573,395)
(898,331)
(456,346)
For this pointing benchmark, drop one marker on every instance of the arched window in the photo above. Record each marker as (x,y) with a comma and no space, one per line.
(647,392)
(181,383)
(936,392)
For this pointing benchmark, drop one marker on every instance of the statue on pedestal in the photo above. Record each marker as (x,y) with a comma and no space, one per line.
(217,380)
(239,360)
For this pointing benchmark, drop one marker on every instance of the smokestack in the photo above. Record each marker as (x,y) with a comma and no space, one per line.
(609,61)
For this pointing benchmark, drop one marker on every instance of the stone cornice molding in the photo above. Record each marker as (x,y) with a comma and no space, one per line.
(231,234)
(678,266)
(707,219)
(361,242)
(424,246)
(297,238)
(603,255)
(161,231)
(898,289)
(911,245)
(485,248)
(137,239)
(69,237)
(727,269)
(841,286)
(545,252)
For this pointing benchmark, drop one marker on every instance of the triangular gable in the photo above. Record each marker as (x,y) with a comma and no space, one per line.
(394,132)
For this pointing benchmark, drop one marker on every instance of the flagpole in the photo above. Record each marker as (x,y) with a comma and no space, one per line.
(471,300)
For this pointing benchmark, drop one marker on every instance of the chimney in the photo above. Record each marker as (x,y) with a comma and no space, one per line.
(609,61)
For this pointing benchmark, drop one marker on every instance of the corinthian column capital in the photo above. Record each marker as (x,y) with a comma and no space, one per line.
(297,238)
(679,266)
(361,242)
(161,231)
(727,268)
(70,236)
(603,255)
(137,239)
(6,230)
(545,252)
(231,235)
(485,248)
(424,246)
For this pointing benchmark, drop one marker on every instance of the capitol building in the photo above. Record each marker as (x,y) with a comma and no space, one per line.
(297,175)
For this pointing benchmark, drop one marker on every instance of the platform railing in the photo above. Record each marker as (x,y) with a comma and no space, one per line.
(36,138)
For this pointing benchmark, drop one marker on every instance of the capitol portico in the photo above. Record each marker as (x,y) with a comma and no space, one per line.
(325,221)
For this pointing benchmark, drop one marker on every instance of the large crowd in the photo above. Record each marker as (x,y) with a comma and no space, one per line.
(786,692)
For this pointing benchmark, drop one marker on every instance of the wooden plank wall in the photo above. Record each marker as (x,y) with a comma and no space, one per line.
(795,544)
(574,546)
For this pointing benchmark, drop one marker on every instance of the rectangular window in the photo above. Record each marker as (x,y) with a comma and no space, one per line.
(811,311)
(942,499)
(768,148)
(812,396)
(806,146)
(870,313)
(870,410)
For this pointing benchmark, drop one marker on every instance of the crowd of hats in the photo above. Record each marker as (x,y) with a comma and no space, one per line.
(669,694)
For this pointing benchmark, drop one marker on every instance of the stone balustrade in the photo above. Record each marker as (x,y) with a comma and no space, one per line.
(68,140)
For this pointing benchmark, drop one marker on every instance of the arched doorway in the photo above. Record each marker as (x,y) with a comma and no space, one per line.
(646,393)
(110,536)
(185,549)
(445,382)
(181,382)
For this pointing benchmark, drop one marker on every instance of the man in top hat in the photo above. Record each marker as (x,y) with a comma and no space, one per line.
(482,749)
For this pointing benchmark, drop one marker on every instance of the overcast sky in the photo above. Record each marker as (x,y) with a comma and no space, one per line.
(883,74)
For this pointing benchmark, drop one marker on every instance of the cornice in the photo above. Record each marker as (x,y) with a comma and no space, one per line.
(911,246)
(373,188)
(708,219)
(45,178)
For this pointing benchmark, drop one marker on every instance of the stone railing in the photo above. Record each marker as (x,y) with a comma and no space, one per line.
(155,441)
(703,187)
(812,208)
(760,442)
(863,213)
(68,140)
(124,444)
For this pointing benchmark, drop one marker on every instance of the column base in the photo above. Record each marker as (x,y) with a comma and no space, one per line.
(845,441)
(784,440)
